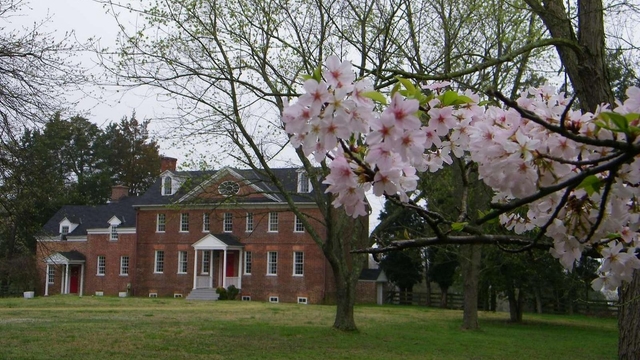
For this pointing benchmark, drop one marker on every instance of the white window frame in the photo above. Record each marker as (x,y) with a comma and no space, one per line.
(298,226)
(274,299)
(167,190)
(101,268)
(246,298)
(272,263)
(183,262)
(303,300)
(206,260)
(227,222)
(64,229)
(304,182)
(161,220)
(298,263)
(51,275)
(113,233)
(249,225)
(124,265)
(184,222)
(273,222)
(206,222)
(248,262)
(158,262)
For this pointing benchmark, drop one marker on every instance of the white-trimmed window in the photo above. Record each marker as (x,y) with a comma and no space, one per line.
(246,298)
(161,223)
(304,184)
(227,222)
(298,263)
(101,265)
(249,226)
(51,275)
(206,260)
(272,263)
(273,222)
(248,257)
(303,300)
(124,265)
(114,233)
(64,229)
(274,299)
(184,222)
(158,266)
(206,222)
(166,185)
(299,226)
(182,262)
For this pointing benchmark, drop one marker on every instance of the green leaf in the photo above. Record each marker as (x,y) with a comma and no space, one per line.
(458,226)
(375,96)
(317,74)
(448,98)
(621,122)
(590,184)
(407,85)
(395,88)
(306,77)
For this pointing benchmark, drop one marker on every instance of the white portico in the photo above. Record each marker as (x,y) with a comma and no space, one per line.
(217,262)
(71,264)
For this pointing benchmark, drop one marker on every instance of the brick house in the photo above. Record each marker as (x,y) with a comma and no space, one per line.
(191,232)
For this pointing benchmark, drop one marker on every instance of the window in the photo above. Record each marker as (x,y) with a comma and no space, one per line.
(303,300)
(206,222)
(101,265)
(51,275)
(272,263)
(64,230)
(304,185)
(273,299)
(273,222)
(184,222)
(161,223)
(206,256)
(299,227)
(182,262)
(298,263)
(114,233)
(167,186)
(227,223)
(249,222)
(124,265)
(158,266)
(246,298)
(247,262)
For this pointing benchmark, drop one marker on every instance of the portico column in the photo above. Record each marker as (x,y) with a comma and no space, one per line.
(81,280)
(46,282)
(210,269)
(224,269)
(61,281)
(195,269)
(240,269)
(66,280)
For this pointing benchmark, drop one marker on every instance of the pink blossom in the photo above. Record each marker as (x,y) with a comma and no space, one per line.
(339,74)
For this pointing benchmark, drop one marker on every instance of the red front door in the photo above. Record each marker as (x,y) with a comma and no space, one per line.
(73,279)
(230,264)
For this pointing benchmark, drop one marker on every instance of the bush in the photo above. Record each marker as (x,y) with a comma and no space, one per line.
(222,292)
(232,292)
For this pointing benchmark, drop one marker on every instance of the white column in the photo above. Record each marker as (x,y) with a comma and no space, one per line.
(46,282)
(81,280)
(210,269)
(66,280)
(240,269)
(224,270)
(61,282)
(195,269)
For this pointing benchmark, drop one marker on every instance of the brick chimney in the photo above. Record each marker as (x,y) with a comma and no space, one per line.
(167,163)
(118,192)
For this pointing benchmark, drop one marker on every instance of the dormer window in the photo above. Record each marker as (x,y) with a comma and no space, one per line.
(114,233)
(167,188)
(67,227)
(304,183)
(64,230)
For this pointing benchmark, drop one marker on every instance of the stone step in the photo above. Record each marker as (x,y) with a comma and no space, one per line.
(203,294)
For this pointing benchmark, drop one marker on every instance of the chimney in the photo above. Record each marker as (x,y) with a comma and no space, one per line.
(167,163)
(118,192)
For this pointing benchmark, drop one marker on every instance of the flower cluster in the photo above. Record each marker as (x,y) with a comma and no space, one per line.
(589,160)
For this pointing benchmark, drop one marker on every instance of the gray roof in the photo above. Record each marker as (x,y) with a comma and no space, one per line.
(228,239)
(73,255)
(91,217)
(372,275)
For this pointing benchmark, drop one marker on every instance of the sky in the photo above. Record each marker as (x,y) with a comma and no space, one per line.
(88,19)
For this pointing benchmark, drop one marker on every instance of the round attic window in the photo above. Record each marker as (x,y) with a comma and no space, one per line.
(228,188)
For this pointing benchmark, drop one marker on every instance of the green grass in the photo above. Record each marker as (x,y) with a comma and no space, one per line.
(112,328)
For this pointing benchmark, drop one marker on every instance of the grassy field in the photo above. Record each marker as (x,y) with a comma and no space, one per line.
(68,327)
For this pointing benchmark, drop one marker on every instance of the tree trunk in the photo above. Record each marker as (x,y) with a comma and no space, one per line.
(537,293)
(629,319)
(515,304)
(345,300)
(470,265)
(444,298)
